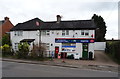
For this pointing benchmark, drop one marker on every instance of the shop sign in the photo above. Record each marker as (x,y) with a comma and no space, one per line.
(74,41)
(69,46)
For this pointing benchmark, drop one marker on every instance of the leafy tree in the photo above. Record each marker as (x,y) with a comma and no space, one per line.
(6,39)
(101,28)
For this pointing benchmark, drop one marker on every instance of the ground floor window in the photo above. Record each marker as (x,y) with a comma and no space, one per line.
(16,46)
(68,47)
(47,46)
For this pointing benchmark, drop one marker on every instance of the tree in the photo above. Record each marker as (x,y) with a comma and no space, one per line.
(101,28)
(6,39)
(38,51)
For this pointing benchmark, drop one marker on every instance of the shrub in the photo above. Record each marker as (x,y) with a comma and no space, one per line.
(6,50)
(113,49)
(23,50)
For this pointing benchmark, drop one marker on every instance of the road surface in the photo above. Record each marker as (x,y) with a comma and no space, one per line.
(13,69)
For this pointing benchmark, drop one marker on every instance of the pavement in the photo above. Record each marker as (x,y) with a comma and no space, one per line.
(101,62)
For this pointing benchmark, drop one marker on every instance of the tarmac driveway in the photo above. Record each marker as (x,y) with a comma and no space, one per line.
(101,57)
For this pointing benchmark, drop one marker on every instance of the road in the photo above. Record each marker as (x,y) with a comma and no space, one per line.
(13,69)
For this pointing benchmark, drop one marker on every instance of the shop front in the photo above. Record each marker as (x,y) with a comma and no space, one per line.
(76,48)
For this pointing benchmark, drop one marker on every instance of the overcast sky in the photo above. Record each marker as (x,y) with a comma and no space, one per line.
(22,10)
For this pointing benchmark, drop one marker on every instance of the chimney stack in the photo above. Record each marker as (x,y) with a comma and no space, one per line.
(58,18)
(6,18)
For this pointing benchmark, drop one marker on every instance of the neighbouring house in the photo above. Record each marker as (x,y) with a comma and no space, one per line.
(5,26)
(62,38)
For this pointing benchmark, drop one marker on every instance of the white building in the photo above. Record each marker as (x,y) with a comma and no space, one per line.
(61,37)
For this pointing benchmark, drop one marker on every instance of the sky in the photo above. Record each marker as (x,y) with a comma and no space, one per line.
(23,10)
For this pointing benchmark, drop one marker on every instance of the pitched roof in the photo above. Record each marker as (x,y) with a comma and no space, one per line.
(69,25)
(28,25)
(53,25)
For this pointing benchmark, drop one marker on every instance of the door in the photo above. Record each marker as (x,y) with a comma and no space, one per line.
(85,51)
(56,51)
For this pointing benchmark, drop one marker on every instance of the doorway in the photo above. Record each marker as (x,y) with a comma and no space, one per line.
(85,51)
(56,51)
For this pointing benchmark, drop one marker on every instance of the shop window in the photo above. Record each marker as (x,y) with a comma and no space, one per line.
(68,47)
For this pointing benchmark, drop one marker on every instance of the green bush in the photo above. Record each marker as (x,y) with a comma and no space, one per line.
(23,50)
(6,50)
(113,49)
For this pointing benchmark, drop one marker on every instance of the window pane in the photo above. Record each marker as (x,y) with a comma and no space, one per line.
(43,32)
(86,34)
(48,33)
(67,32)
(15,33)
(63,34)
(82,32)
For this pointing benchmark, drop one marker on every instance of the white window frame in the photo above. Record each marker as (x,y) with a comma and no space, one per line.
(84,32)
(47,46)
(16,46)
(18,33)
(48,32)
(65,32)
(44,32)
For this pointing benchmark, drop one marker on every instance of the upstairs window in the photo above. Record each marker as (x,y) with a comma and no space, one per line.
(18,33)
(45,32)
(82,32)
(65,32)
(85,32)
